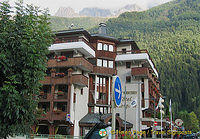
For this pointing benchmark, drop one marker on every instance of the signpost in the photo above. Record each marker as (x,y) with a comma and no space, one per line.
(116,98)
(68,117)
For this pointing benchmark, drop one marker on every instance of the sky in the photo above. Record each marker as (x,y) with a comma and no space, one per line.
(78,5)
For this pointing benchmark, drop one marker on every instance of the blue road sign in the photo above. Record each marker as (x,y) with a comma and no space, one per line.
(118,91)
(68,117)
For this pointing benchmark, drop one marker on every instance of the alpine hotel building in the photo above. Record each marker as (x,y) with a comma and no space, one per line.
(78,87)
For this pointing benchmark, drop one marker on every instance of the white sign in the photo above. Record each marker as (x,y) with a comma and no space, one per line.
(133,103)
(179,122)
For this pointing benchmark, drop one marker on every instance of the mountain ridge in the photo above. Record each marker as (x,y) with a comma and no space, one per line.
(95,11)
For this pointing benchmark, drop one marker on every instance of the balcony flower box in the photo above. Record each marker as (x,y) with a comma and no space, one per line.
(57,111)
(60,93)
(60,74)
(60,58)
(41,93)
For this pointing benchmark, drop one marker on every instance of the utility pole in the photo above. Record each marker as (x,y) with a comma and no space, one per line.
(113,115)
(154,136)
(125,111)
(139,103)
(161,122)
(170,109)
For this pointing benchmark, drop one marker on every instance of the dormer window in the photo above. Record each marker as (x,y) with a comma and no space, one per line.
(99,46)
(105,47)
(111,48)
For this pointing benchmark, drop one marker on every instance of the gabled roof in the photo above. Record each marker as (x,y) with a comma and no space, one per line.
(94,118)
(72,31)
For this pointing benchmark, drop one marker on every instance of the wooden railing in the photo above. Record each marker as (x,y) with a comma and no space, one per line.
(145,72)
(105,54)
(79,62)
(55,80)
(104,70)
(80,79)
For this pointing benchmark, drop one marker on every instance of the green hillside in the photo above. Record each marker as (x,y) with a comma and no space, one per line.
(61,23)
(171,33)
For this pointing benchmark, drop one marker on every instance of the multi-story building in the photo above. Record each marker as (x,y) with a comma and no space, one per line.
(77,90)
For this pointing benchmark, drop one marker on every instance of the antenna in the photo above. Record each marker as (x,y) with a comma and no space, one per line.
(71,26)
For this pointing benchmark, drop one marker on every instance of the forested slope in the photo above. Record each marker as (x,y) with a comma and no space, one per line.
(171,33)
(61,23)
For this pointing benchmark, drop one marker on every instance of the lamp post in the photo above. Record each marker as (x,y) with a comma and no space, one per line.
(161,112)
(153,135)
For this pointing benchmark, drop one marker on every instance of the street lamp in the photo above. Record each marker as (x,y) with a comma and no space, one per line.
(161,106)
(153,135)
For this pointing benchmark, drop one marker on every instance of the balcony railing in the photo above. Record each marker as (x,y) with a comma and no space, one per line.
(144,72)
(101,101)
(45,96)
(60,96)
(79,62)
(104,70)
(58,115)
(45,116)
(105,54)
(80,80)
(55,80)
(140,72)
(133,52)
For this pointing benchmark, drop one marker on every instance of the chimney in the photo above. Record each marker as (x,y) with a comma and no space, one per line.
(102,28)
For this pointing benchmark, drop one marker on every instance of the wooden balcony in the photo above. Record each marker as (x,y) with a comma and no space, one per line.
(143,72)
(79,62)
(46,97)
(55,80)
(60,97)
(58,115)
(45,116)
(140,72)
(101,101)
(80,80)
(104,71)
(105,54)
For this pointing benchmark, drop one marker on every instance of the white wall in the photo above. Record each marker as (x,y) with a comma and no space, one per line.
(124,46)
(80,108)
(132,89)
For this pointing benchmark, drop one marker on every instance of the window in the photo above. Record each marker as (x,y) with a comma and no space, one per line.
(105,47)
(105,63)
(124,51)
(82,91)
(110,64)
(128,79)
(99,47)
(99,62)
(128,65)
(74,97)
(111,48)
